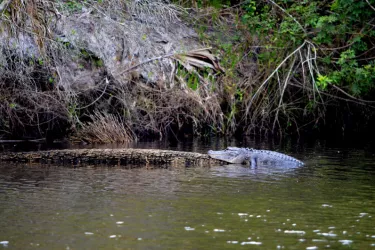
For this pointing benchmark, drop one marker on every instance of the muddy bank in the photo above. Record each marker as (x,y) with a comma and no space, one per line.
(102,72)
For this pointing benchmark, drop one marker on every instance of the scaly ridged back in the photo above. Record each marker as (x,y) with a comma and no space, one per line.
(271,155)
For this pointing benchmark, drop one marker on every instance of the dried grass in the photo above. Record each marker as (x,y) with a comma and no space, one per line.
(105,128)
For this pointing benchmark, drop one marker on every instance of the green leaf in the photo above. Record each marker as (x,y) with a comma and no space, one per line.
(323,81)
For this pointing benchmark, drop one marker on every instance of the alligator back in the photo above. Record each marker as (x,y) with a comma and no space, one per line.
(267,155)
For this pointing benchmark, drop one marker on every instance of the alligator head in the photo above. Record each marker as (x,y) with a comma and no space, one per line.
(232,155)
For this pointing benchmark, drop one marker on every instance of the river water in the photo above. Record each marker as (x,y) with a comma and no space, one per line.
(327,204)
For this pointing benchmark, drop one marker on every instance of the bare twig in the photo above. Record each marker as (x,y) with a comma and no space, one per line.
(345,93)
(286,81)
(97,99)
(144,62)
(289,15)
(372,7)
(335,96)
(274,72)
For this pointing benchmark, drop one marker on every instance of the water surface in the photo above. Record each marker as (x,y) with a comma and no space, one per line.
(326,204)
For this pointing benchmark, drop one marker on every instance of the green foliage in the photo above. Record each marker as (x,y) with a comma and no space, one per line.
(230,58)
(205,3)
(358,78)
(191,78)
(341,30)
(73,111)
(323,81)
(73,6)
(76,5)
(51,80)
(260,22)
(193,81)
(91,58)
(98,62)
(40,61)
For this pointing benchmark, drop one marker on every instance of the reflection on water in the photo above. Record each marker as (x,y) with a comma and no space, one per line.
(328,203)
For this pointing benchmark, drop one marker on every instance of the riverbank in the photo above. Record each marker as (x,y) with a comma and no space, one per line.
(119,71)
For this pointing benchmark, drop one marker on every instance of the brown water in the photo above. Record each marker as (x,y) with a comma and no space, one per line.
(327,204)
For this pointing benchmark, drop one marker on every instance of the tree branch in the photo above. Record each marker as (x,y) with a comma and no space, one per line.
(283,10)
(357,99)
(372,7)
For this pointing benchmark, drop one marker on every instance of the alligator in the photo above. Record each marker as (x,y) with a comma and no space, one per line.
(236,155)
